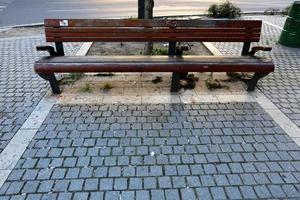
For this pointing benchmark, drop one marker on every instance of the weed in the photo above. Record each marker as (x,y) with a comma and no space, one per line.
(72,78)
(87,88)
(159,51)
(107,86)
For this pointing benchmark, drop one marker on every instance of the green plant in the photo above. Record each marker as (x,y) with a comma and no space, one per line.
(159,51)
(224,10)
(86,88)
(72,78)
(107,86)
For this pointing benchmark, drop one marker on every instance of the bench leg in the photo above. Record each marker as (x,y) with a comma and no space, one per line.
(175,87)
(53,82)
(253,82)
(183,75)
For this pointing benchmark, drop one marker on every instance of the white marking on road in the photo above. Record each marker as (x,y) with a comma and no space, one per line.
(73,10)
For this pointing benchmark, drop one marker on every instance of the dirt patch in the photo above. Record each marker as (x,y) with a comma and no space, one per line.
(22,31)
(137,48)
(144,83)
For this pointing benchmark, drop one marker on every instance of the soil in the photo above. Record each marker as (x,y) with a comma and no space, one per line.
(143,83)
(137,48)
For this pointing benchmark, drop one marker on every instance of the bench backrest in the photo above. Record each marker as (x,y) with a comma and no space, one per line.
(132,30)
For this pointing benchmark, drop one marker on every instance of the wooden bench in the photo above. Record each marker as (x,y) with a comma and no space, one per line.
(172,31)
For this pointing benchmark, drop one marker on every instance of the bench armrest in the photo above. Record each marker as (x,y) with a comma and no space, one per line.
(50,50)
(259,48)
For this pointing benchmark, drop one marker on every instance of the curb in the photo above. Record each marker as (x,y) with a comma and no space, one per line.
(5,28)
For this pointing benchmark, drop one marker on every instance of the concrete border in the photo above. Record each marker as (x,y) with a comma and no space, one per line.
(84,49)
(279,117)
(17,145)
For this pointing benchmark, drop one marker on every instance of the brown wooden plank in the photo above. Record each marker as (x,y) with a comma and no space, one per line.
(154,64)
(154,59)
(146,30)
(152,39)
(151,35)
(168,67)
(154,23)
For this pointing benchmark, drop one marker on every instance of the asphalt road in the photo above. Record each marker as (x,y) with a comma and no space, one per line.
(19,12)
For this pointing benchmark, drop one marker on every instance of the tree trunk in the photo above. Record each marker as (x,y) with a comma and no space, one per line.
(141,9)
(148,14)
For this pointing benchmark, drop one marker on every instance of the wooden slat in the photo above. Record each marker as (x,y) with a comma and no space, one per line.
(154,64)
(146,30)
(153,39)
(151,35)
(155,23)
(118,30)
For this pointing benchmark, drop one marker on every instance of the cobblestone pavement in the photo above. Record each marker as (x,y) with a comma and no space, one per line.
(164,151)
(283,86)
(20,88)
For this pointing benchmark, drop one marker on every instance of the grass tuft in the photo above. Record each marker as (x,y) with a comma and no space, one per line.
(72,78)
(87,88)
(107,86)
(159,51)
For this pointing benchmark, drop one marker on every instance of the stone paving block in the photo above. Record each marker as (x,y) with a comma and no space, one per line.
(188,194)
(213,162)
(127,195)
(218,193)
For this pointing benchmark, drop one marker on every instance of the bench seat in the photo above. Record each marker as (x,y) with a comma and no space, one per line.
(47,66)
(153,64)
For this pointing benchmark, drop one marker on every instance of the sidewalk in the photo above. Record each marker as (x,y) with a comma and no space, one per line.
(283,86)
(188,146)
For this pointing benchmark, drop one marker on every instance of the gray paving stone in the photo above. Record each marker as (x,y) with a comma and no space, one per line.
(76,185)
(80,195)
(142,195)
(106,184)
(218,193)
(127,195)
(96,195)
(120,184)
(235,162)
(113,195)
(203,193)
(233,193)
(188,194)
